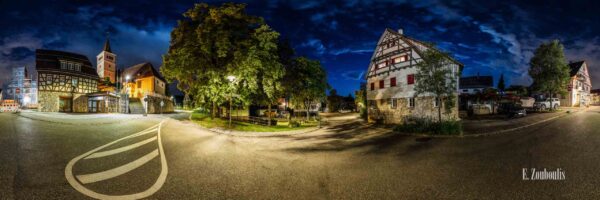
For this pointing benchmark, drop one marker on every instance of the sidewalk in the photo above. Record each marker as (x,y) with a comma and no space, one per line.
(497,125)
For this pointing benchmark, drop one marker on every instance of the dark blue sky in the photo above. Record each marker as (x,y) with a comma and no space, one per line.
(489,37)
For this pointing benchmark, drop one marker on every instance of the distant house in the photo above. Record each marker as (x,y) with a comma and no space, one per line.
(391,80)
(143,80)
(579,86)
(470,88)
(475,84)
(595,97)
(23,88)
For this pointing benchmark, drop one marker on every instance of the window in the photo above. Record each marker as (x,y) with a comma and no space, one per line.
(465,90)
(393,82)
(381,65)
(372,86)
(393,103)
(411,102)
(436,102)
(410,79)
(381,84)
(63,65)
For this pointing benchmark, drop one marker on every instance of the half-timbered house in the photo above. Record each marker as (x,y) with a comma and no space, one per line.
(64,79)
(391,80)
(579,86)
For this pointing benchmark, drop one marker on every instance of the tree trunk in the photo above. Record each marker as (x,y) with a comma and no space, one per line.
(270,115)
(213,111)
(307,105)
(439,103)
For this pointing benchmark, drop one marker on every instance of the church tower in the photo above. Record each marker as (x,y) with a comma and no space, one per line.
(106,63)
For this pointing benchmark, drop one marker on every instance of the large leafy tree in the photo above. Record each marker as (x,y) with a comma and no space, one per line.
(435,77)
(213,42)
(549,69)
(306,83)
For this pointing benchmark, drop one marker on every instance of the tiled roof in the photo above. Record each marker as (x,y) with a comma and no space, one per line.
(143,70)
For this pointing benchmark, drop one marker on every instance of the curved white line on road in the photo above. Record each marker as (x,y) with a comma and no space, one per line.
(154,188)
(120,150)
(111,173)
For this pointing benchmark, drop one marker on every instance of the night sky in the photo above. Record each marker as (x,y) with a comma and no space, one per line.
(489,37)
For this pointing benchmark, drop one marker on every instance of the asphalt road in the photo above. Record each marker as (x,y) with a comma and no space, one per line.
(346,160)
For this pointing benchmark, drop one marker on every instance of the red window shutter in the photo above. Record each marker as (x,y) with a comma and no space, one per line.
(393,82)
(381,83)
(410,79)
(372,86)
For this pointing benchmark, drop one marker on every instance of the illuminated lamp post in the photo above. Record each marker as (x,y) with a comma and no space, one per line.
(127,93)
(231,80)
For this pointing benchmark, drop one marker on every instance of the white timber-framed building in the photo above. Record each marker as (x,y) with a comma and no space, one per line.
(391,81)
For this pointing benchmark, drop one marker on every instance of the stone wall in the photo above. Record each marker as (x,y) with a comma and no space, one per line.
(423,108)
(49,101)
(154,105)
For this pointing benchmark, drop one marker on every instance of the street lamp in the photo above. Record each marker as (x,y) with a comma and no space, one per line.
(127,93)
(231,80)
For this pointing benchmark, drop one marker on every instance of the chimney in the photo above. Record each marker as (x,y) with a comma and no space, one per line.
(401,31)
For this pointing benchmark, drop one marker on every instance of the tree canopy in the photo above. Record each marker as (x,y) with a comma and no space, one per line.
(435,77)
(549,69)
(212,43)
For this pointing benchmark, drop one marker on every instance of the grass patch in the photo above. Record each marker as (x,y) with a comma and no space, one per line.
(204,120)
(428,126)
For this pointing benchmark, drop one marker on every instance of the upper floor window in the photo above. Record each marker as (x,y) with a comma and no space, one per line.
(109,58)
(400,59)
(73,66)
(410,79)
(372,86)
(436,102)
(381,84)
(392,81)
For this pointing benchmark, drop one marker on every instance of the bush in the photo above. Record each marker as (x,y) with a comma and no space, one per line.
(425,125)
(294,124)
(363,113)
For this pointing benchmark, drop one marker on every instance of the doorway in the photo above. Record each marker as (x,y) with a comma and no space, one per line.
(93,106)
(64,104)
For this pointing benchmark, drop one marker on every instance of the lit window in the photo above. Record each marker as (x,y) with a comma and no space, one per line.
(381,65)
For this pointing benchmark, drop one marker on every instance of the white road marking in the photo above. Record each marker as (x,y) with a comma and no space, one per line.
(111,173)
(154,188)
(119,150)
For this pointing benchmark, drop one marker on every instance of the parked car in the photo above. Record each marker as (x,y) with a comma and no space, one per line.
(512,110)
(545,104)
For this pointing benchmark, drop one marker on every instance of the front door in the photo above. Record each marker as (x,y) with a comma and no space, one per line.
(93,106)
(64,104)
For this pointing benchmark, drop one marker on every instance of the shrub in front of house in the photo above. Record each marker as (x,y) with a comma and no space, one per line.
(429,126)
(294,124)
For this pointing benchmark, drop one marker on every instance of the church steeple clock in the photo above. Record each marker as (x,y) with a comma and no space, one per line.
(106,63)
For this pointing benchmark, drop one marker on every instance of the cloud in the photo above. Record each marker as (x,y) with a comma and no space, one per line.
(316,45)
(354,75)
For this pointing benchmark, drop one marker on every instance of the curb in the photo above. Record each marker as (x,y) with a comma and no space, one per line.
(490,133)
